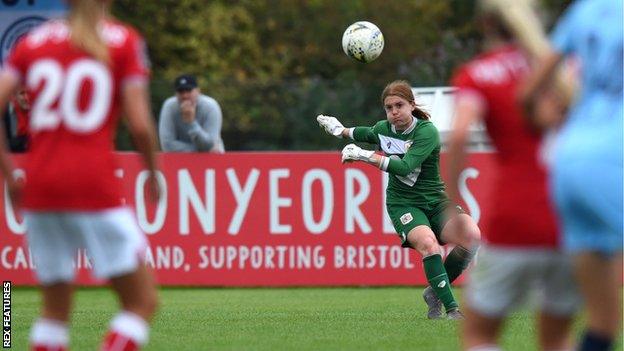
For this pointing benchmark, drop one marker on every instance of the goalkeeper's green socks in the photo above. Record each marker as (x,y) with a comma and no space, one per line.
(439,281)
(457,261)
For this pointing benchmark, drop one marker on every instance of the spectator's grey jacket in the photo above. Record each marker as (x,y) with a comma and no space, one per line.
(204,134)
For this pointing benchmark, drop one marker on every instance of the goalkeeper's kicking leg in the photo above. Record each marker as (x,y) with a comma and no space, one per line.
(455,227)
(455,263)
(424,241)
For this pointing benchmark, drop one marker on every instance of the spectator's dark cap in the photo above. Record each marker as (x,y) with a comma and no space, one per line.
(185,82)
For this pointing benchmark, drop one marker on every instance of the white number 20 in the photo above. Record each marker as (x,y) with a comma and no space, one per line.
(64,87)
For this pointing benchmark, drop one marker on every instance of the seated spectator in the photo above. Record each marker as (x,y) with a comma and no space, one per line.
(190,121)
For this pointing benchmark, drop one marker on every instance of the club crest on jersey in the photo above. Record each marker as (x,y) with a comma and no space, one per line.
(406,218)
(408,144)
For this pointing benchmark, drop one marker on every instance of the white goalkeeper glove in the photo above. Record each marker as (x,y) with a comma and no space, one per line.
(353,152)
(331,125)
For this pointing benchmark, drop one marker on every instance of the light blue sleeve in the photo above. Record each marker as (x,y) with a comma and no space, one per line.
(563,36)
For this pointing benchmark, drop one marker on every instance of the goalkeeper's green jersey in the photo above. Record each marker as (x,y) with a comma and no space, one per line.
(414,162)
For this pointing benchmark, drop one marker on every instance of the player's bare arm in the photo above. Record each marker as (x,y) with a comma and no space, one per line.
(468,111)
(538,82)
(8,84)
(135,97)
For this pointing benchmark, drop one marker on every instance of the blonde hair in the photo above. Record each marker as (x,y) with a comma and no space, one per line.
(84,21)
(403,89)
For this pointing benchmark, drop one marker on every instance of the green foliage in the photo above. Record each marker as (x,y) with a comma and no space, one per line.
(273,65)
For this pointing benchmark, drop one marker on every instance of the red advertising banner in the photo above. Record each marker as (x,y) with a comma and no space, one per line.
(261,219)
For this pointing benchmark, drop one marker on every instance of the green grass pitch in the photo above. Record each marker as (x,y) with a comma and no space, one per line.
(298,319)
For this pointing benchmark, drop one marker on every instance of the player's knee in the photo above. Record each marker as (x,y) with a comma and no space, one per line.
(428,245)
(473,233)
(470,234)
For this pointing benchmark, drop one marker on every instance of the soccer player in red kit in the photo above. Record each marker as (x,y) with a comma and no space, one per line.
(521,249)
(80,73)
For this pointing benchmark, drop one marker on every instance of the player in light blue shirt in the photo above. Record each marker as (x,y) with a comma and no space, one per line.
(587,170)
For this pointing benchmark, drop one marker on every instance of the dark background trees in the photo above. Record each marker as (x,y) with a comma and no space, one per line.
(273,65)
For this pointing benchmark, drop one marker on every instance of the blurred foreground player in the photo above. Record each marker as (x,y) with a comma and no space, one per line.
(590,141)
(80,72)
(520,254)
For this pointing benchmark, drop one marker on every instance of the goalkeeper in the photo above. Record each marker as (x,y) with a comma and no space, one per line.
(421,212)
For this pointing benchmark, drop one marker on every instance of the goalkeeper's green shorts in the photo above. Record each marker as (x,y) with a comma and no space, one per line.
(405,218)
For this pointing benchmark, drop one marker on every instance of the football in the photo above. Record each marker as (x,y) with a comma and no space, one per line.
(363,41)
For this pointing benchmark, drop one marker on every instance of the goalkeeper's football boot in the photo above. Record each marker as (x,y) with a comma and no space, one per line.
(434,304)
(455,314)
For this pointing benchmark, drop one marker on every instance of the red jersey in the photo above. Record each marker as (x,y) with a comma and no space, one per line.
(75,106)
(522,213)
